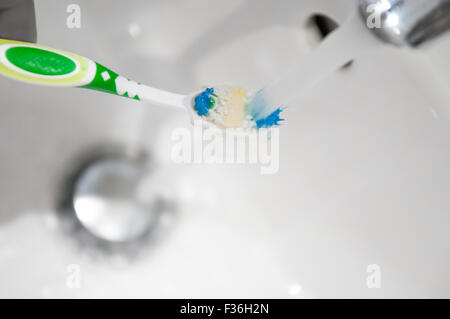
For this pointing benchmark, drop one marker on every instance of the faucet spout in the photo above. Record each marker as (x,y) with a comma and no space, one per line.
(406,22)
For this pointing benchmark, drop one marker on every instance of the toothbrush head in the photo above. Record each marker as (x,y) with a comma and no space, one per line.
(230,107)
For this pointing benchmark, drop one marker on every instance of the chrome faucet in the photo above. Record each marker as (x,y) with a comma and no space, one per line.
(406,22)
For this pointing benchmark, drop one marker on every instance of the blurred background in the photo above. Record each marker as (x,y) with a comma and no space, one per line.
(363,177)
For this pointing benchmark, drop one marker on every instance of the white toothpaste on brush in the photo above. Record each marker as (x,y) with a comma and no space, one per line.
(229,107)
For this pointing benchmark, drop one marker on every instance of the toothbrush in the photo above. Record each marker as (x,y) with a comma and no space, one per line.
(41,65)
(225,107)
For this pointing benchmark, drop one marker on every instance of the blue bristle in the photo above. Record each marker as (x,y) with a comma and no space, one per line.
(272,120)
(202,101)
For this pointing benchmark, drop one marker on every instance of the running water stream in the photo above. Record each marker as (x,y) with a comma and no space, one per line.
(341,46)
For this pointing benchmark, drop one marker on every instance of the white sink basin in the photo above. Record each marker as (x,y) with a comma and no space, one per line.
(363,176)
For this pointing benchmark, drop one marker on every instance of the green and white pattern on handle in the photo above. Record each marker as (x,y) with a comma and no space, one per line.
(38,64)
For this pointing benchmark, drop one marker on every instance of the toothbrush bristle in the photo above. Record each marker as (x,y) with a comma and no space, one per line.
(229,107)
(270,120)
(204,102)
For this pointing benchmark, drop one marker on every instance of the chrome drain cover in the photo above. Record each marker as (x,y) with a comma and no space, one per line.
(106,201)
(112,202)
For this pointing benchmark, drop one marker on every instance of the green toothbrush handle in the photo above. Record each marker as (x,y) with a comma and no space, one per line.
(37,64)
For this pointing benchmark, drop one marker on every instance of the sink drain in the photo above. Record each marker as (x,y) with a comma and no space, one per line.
(102,206)
(105,201)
